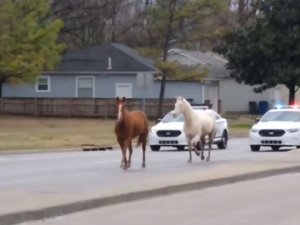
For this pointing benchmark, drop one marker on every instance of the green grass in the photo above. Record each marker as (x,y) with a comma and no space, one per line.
(241,126)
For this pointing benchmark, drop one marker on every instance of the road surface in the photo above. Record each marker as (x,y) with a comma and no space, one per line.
(77,171)
(269,201)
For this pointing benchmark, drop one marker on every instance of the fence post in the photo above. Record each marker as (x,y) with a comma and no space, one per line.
(1,106)
(35,107)
(95,107)
(70,107)
(105,108)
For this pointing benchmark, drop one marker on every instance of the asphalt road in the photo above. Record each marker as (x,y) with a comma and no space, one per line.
(269,201)
(77,171)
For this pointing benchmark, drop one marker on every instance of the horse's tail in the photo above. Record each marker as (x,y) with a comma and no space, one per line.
(140,140)
(143,136)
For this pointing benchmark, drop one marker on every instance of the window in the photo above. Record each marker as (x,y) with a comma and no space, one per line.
(85,87)
(124,90)
(43,84)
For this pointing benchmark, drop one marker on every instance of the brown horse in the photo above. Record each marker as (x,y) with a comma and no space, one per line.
(130,124)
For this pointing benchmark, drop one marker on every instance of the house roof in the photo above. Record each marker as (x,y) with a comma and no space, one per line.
(108,57)
(213,62)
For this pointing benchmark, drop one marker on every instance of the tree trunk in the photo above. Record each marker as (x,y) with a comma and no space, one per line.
(292,93)
(163,80)
(1,82)
(241,11)
(161,95)
(165,58)
(113,23)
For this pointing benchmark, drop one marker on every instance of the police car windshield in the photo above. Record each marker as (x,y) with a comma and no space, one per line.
(169,118)
(281,116)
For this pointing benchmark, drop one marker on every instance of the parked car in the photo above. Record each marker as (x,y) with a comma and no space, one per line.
(169,132)
(277,128)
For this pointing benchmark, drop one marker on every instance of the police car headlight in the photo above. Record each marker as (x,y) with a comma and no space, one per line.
(293,130)
(153,130)
(253,130)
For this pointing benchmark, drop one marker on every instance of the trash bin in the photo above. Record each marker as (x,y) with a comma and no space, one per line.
(252,107)
(263,107)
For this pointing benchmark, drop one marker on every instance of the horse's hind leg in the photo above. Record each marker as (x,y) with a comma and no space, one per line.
(130,154)
(209,147)
(144,143)
(202,144)
(194,143)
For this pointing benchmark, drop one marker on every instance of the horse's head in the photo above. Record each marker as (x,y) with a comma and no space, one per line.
(179,106)
(120,105)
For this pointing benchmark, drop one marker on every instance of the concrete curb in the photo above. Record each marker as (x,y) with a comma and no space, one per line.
(59,210)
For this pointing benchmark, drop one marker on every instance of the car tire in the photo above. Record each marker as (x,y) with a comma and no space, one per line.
(155,148)
(254,148)
(275,148)
(180,147)
(223,143)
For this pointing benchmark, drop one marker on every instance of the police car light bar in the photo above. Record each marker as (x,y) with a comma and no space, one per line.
(279,106)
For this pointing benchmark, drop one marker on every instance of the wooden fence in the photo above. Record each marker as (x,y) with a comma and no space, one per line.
(74,107)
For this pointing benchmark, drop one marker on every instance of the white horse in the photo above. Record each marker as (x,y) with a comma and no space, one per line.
(196,126)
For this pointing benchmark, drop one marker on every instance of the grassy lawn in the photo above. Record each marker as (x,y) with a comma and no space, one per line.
(18,132)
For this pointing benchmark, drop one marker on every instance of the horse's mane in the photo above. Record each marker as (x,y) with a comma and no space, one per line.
(186,102)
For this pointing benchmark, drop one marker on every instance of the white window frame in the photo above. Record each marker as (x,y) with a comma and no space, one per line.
(90,77)
(122,84)
(48,82)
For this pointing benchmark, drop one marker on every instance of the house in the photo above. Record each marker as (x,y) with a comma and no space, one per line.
(222,91)
(112,69)
(103,71)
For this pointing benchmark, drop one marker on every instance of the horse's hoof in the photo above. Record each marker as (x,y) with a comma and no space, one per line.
(143,166)
(207,160)
(197,153)
(189,161)
(124,167)
(202,157)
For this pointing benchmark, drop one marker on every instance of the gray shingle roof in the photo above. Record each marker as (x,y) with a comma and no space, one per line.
(96,59)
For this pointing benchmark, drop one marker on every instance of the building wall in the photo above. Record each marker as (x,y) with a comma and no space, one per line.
(235,97)
(211,93)
(281,95)
(60,86)
(64,86)
(191,90)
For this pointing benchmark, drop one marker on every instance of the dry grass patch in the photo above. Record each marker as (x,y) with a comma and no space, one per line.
(17,132)
(43,133)
(240,125)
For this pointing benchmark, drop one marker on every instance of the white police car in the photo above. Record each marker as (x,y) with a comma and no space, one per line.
(277,128)
(169,132)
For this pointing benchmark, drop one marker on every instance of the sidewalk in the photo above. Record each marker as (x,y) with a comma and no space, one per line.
(19,206)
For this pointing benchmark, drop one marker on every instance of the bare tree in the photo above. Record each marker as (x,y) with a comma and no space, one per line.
(89,22)
(245,9)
